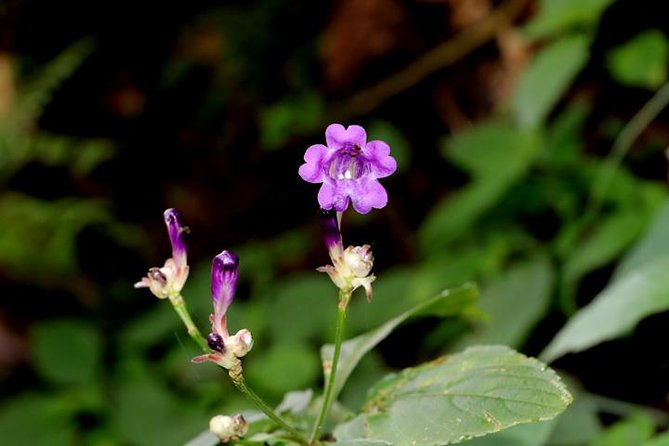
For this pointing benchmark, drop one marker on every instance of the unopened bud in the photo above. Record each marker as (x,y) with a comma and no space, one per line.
(359,259)
(228,428)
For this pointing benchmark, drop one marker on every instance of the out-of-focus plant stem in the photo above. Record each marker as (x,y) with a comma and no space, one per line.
(622,145)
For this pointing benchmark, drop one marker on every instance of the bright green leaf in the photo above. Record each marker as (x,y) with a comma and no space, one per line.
(557,16)
(615,311)
(67,351)
(627,432)
(448,303)
(660,440)
(477,392)
(641,62)
(548,77)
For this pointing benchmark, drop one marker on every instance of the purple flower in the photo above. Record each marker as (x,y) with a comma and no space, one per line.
(226,349)
(169,280)
(349,168)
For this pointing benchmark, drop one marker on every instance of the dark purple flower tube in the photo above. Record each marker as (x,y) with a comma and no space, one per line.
(175,228)
(224,274)
(349,168)
(331,232)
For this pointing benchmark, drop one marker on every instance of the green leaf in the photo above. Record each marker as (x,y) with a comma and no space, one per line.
(448,303)
(534,434)
(660,440)
(290,117)
(147,413)
(579,424)
(36,420)
(654,244)
(284,367)
(557,16)
(604,244)
(36,94)
(641,62)
(480,151)
(615,311)
(627,432)
(548,77)
(515,302)
(303,308)
(477,392)
(205,438)
(67,351)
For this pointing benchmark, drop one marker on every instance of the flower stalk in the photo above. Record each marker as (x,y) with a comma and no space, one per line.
(328,393)
(179,305)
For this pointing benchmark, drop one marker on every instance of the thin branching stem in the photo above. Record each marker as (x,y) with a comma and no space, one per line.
(294,434)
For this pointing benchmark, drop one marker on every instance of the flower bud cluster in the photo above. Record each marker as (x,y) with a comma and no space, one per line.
(350,267)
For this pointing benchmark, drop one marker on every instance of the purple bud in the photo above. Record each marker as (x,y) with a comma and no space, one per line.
(331,233)
(175,228)
(224,273)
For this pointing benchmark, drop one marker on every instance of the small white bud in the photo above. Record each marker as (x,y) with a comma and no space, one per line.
(228,428)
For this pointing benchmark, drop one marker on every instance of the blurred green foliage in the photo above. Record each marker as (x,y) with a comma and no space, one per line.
(525,222)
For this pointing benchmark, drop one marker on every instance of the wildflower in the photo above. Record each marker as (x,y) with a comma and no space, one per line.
(226,349)
(228,428)
(350,267)
(169,280)
(349,168)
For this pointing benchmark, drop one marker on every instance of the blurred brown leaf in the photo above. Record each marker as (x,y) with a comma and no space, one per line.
(358,33)
(467,12)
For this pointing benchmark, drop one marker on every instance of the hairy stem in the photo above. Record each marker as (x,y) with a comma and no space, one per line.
(328,393)
(240,384)
(179,306)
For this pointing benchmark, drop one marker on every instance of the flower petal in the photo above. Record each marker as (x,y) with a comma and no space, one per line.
(312,170)
(333,196)
(337,136)
(368,195)
(175,228)
(380,161)
(224,273)
(331,233)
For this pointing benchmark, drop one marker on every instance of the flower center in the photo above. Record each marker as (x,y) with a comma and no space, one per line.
(348,163)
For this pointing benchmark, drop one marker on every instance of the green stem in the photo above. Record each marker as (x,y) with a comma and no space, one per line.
(180,307)
(240,384)
(328,394)
(622,145)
